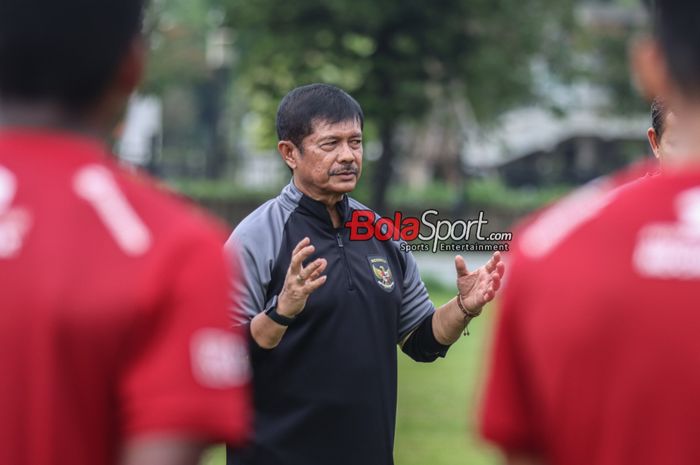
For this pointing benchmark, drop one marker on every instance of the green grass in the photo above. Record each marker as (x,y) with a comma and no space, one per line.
(437,402)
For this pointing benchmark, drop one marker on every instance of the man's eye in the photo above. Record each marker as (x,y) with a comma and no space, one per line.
(356,142)
(328,145)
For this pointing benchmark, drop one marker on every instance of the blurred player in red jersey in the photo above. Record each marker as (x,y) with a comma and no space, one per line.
(596,351)
(115,345)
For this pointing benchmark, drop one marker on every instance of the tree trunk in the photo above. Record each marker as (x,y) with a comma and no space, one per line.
(384,170)
(212,115)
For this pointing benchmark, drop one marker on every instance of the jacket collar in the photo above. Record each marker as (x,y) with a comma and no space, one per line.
(314,208)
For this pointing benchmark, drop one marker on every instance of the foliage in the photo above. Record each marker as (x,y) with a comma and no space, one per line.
(177,36)
(602,51)
(492,192)
(394,55)
(397,57)
(402,59)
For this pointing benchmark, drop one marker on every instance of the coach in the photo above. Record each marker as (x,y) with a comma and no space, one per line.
(325,312)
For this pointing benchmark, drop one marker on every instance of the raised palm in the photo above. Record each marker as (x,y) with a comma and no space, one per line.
(479,287)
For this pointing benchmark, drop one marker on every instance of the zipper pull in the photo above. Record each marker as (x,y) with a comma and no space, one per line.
(340,240)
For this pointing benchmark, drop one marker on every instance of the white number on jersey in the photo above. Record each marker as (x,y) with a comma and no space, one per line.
(14,222)
(96,185)
(672,250)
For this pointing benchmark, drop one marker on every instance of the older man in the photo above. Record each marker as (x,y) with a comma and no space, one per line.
(325,312)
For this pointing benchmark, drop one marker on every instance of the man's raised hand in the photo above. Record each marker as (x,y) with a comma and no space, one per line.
(479,287)
(301,280)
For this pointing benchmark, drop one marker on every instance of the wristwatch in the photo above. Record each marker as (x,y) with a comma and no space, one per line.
(271,311)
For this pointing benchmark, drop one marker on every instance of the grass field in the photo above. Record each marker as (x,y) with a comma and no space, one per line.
(437,403)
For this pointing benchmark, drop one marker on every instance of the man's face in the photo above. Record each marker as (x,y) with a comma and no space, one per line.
(330,162)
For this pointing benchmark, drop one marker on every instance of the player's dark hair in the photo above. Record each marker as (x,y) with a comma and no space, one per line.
(676,25)
(658,116)
(64,51)
(306,105)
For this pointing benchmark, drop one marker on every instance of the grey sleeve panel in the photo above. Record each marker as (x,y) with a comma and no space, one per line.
(237,284)
(256,242)
(415,302)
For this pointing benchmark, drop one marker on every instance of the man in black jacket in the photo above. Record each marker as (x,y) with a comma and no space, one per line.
(326,312)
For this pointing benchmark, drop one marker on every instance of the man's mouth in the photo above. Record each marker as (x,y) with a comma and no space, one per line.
(344,173)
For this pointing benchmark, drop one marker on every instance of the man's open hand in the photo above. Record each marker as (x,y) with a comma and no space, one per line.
(479,287)
(301,280)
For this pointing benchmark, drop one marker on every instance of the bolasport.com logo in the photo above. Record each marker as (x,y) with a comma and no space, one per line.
(429,233)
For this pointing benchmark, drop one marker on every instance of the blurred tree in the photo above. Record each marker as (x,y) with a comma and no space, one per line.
(177,31)
(189,69)
(396,56)
(601,42)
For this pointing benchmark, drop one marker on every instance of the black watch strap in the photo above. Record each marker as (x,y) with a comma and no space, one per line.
(271,311)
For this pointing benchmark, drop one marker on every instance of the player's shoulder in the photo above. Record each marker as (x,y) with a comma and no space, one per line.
(591,213)
(604,214)
(129,207)
(550,228)
(171,216)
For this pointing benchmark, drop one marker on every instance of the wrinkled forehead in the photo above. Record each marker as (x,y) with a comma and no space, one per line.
(342,129)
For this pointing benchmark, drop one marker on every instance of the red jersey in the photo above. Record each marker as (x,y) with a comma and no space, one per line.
(597,349)
(113,310)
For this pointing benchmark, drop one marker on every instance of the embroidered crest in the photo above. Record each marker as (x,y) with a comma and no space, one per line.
(382,273)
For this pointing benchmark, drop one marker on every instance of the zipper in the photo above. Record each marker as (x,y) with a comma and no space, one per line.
(339,237)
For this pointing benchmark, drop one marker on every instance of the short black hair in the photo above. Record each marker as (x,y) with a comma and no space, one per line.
(676,27)
(306,105)
(659,111)
(64,51)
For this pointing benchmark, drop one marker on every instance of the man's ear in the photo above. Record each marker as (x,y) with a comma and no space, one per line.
(289,153)
(650,69)
(654,142)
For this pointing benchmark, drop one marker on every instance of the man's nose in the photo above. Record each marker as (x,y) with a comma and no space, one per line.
(346,154)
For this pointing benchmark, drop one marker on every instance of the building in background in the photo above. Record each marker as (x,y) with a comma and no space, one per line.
(141,138)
